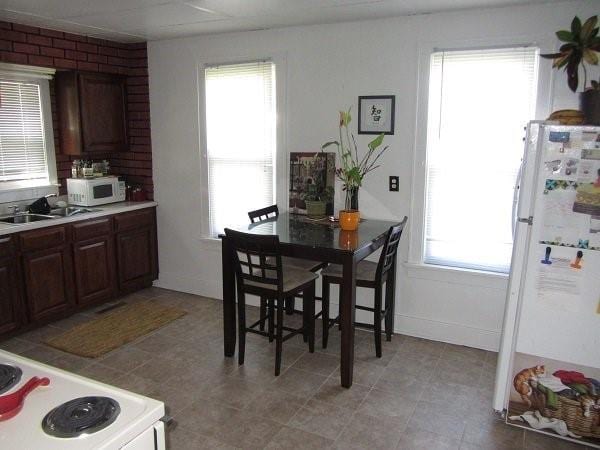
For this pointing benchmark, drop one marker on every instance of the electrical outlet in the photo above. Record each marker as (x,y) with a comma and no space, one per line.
(394,182)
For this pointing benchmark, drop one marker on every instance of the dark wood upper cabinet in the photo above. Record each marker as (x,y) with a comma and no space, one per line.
(92,110)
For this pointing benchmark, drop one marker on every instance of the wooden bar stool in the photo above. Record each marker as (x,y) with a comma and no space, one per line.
(369,275)
(259,271)
(261,215)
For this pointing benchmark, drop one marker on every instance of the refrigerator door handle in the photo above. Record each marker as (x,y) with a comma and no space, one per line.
(527,220)
(516,199)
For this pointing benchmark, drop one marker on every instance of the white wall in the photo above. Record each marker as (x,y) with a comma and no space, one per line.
(327,68)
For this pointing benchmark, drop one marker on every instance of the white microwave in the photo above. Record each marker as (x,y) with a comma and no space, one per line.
(95,191)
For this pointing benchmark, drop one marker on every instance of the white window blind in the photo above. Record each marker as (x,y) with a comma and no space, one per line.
(22,141)
(479,103)
(240,134)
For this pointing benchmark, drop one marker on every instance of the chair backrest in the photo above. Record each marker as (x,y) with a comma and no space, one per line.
(263,214)
(390,248)
(257,258)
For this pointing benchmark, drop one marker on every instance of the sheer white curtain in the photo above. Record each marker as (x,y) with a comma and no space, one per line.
(479,103)
(22,142)
(241,141)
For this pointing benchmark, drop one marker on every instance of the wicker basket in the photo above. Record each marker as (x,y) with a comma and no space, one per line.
(571,412)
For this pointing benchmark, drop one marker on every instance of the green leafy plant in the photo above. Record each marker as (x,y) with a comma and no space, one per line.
(581,46)
(353,169)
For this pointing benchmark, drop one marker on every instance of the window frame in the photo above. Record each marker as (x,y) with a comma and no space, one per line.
(281,171)
(40,76)
(416,251)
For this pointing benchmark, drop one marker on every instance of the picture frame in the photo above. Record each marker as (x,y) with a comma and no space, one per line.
(312,179)
(376,114)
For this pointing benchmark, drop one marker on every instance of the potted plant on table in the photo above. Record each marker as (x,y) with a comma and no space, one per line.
(581,47)
(353,169)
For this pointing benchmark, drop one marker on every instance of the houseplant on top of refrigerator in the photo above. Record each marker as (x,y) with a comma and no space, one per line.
(581,47)
(353,169)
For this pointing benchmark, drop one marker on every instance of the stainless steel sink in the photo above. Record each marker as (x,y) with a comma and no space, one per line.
(25,218)
(71,211)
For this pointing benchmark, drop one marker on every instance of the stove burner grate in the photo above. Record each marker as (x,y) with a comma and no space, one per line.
(84,415)
(9,377)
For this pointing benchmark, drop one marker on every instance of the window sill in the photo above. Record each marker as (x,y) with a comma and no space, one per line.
(456,275)
(14,186)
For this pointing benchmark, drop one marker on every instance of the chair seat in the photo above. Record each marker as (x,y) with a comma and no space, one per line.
(293,278)
(365,271)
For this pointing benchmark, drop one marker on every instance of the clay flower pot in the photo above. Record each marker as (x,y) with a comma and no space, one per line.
(349,219)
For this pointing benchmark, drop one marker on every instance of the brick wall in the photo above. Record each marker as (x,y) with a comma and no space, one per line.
(21,44)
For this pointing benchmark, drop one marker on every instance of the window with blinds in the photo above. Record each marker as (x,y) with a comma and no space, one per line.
(479,103)
(22,140)
(241,141)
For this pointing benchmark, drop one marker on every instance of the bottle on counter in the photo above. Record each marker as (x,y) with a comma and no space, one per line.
(76,169)
(97,169)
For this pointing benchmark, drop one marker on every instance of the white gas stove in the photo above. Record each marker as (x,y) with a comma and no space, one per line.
(74,412)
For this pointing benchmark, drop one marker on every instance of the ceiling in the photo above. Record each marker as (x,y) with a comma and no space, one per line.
(144,20)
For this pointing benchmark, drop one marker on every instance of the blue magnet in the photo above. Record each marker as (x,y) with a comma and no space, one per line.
(559,136)
(546,259)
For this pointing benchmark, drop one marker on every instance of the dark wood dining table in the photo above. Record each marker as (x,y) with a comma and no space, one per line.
(318,240)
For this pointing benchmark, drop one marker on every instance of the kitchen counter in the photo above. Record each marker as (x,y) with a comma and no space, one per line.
(102,210)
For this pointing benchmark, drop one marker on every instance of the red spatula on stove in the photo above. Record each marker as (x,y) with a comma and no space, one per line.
(11,404)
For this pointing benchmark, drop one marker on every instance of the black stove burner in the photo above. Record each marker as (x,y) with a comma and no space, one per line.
(84,415)
(9,376)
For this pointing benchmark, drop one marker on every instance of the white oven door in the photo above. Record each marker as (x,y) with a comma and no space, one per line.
(151,439)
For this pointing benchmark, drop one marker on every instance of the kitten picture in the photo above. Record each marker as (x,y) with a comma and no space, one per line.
(522,380)
(588,403)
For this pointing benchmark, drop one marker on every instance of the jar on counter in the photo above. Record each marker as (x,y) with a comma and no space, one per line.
(88,170)
(76,169)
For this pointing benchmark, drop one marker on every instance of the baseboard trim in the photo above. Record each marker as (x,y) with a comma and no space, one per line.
(452,333)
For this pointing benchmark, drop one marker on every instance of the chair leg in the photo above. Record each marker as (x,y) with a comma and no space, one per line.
(308,297)
(241,326)
(377,321)
(271,305)
(325,309)
(290,304)
(263,313)
(279,338)
(389,311)
(390,302)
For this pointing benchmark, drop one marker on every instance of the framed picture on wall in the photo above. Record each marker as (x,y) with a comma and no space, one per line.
(376,114)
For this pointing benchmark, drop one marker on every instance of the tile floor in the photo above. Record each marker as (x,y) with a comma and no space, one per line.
(420,395)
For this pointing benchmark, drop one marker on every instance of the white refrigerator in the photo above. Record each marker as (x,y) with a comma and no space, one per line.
(548,373)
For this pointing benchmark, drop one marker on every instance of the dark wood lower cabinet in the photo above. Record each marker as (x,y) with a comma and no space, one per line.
(93,261)
(48,283)
(10,311)
(136,258)
(50,273)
